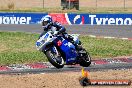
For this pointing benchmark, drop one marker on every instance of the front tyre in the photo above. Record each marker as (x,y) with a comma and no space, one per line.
(54,59)
(85,59)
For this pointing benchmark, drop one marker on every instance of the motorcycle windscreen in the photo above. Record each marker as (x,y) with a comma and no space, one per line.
(69,50)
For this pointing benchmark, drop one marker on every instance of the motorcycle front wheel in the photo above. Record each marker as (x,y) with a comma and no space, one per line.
(55,58)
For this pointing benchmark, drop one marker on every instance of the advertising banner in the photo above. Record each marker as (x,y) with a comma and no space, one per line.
(21,18)
(67,18)
(98,19)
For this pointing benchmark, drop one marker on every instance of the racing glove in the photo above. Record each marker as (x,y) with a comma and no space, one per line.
(56,33)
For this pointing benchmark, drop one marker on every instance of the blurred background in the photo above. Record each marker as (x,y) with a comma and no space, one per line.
(64,4)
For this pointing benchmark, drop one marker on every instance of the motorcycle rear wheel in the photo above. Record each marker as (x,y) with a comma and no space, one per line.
(56,61)
(85,60)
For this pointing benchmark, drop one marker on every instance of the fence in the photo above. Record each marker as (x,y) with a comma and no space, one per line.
(24,4)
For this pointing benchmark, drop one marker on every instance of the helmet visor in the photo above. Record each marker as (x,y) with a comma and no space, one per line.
(44,23)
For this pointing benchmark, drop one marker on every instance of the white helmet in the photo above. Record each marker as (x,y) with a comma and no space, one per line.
(46,21)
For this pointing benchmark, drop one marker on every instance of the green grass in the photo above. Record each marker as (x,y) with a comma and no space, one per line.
(107,47)
(82,10)
(18,47)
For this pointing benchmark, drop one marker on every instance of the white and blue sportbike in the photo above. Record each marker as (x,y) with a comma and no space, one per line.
(60,51)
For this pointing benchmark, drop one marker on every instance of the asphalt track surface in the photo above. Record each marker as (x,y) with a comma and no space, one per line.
(113,31)
(117,66)
(97,30)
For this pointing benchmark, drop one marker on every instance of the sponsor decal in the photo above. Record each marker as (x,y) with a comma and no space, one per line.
(21,18)
(15,20)
(94,19)
(99,19)
(74,18)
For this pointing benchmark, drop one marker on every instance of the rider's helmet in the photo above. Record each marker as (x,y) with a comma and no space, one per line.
(47,21)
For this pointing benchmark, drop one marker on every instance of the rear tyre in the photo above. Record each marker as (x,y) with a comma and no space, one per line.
(55,60)
(85,59)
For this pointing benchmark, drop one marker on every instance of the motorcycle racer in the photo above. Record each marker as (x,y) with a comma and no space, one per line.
(63,49)
(56,27)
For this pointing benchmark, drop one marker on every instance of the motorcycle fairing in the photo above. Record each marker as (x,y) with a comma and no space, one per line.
(44,41)
(69,50)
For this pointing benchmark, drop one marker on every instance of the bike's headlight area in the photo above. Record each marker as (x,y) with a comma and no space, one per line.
(43,41)
(39,43)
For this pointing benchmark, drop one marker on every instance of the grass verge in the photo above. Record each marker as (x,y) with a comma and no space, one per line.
(19,47)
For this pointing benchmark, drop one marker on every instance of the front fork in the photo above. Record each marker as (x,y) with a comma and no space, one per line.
(54,50)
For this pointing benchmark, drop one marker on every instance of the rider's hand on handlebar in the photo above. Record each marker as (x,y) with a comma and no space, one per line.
(56,33)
